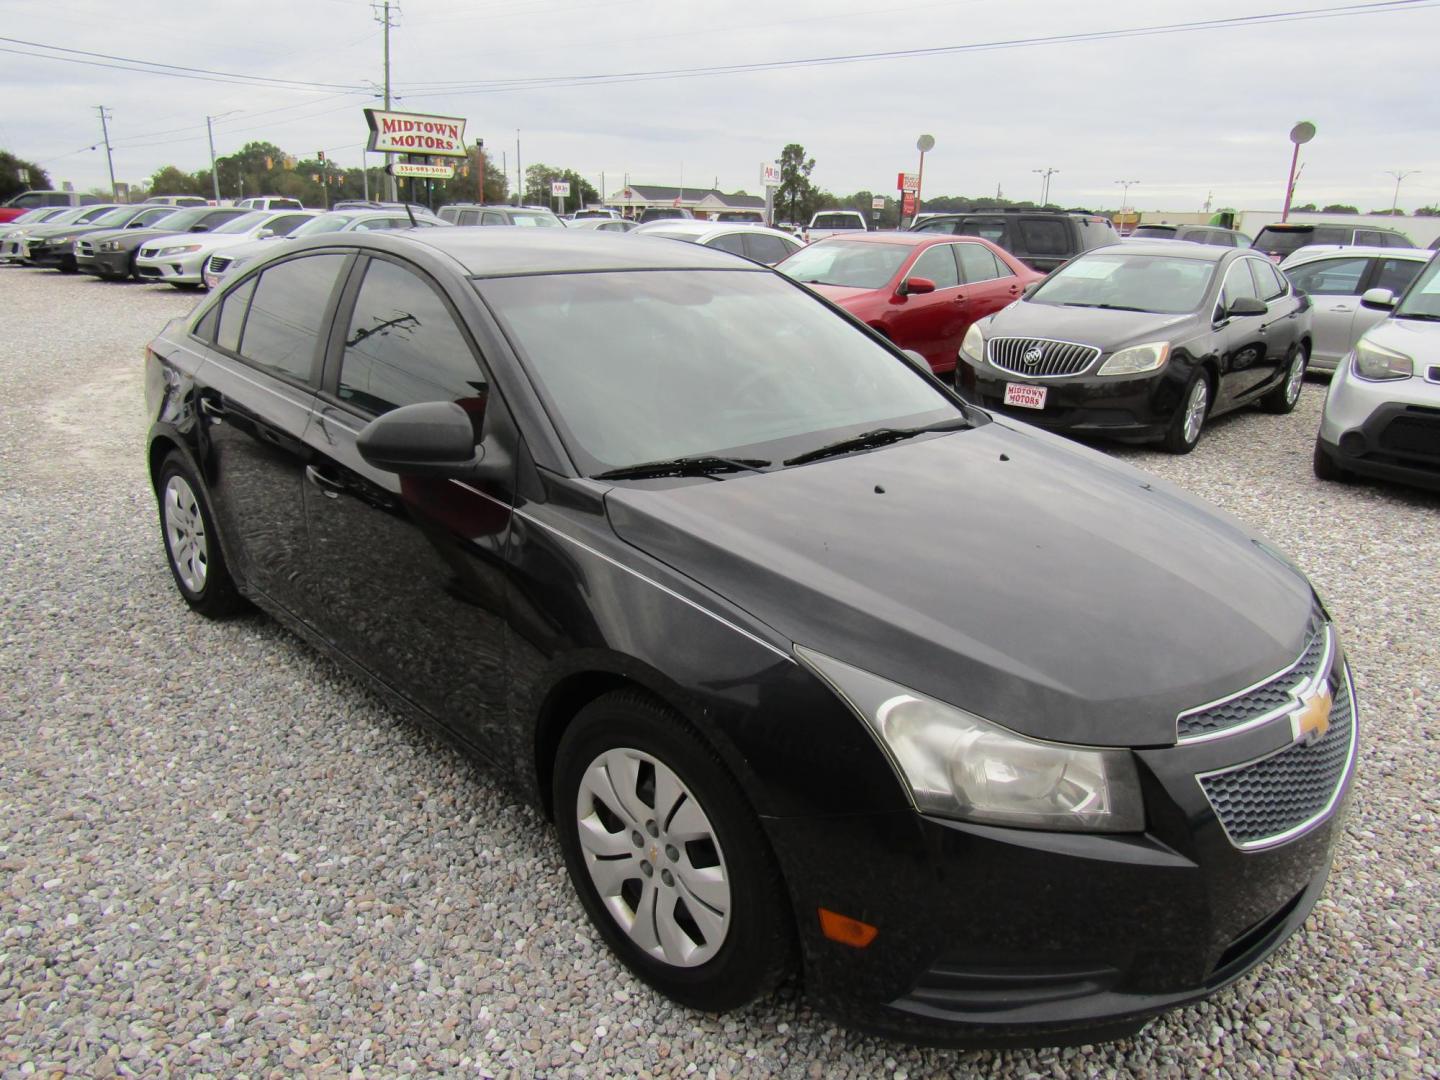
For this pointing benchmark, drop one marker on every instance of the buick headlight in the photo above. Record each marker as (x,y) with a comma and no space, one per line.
(972,348)
(958,765)
(182,249)
(1379,364)
(1137,359)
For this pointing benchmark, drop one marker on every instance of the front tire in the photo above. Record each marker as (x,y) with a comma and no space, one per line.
(192,545)
(667,855)
(1189,420)
(1284,397)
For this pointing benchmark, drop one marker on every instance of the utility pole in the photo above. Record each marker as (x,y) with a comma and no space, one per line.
(382,16)
(365,175)
(1045,174)
(519,174)
(105,114)
(214,176)
(480,171)
(1398,177)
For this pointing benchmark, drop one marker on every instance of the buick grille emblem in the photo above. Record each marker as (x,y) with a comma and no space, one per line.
(1033,356)
(1310,722)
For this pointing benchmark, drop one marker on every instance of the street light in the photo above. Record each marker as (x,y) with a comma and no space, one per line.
(1045,187)
(1300,134)
(1124,195)
(1398,177)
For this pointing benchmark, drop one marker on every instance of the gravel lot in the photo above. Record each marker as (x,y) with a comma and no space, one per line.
(221,856)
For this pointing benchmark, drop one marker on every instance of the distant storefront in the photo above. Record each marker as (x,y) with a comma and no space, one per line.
(634,200)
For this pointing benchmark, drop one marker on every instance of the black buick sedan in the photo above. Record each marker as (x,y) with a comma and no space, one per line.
(1144,342)
(672,543)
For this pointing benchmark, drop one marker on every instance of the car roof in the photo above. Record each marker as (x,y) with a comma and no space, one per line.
(704,228)
(500,252)
(1183,249)
(1311,252)
(907,238)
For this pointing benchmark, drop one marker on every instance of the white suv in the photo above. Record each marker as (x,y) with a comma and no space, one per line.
(1382,414)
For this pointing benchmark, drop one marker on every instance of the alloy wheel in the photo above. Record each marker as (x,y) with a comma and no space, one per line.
(1296,378)
(1195,409)
(653,857)
(185,534)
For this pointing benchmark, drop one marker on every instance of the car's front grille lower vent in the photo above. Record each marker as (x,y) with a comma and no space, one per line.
(148,252)
(1271,800)
(217,264)
(1261,702)
(84,247)
(1040,358)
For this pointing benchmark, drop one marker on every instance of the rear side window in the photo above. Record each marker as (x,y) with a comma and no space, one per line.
(1331,234)
(1397,240)
(232,316)
(1041,236)
(1397,274)
(403,346)
(992,229)
(286,308)
(1330,277)
(469,217)
(937,264)
(768,249)
(731,242)
(492,219)
(979,264)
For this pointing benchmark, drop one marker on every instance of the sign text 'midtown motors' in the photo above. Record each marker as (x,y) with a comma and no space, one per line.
(415,133)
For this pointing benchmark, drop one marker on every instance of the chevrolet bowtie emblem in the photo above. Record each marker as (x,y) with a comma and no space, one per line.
(1310,722)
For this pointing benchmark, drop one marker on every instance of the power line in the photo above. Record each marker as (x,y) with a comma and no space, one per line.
(1296,15)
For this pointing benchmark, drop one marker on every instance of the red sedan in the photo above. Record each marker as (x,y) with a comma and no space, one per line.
(921,290)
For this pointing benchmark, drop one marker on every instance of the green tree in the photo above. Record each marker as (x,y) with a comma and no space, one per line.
(796,196)
(10,182)
(168,180)
(1308,207)
(1340,208)
(1427,211)
(537,187)
(463,187)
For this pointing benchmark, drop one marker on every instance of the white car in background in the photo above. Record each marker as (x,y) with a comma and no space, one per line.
(230,259)
(180,260)
(754,242)
(1335,277)
(1382,414)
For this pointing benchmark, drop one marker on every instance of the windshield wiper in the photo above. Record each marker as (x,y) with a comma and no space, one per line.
(878,437)
(1422,316)
(697,465)
(1108,307)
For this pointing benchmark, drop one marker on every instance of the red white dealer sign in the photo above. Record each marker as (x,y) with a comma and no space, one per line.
(416,133)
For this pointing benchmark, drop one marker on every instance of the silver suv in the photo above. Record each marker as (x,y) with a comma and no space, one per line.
(1382,415)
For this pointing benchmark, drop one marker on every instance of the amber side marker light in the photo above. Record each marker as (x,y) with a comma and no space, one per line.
(846,930)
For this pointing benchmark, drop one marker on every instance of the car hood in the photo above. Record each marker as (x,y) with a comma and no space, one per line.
(844,295)
(251,248)
(1416,338)
(205,241)
(1001,569)
(1106,330)
(136,237)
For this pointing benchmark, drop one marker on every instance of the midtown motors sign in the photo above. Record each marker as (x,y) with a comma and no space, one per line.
(415,133)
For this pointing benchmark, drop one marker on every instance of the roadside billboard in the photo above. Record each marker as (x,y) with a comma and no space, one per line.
(416,133)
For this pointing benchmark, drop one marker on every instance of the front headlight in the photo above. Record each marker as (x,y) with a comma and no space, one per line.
(973,347)
(109,245)
(958,765)
(180,250)
(1137,359)
(1377,364)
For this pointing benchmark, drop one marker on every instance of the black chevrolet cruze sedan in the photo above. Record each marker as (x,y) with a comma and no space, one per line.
(1143,342)
(672,543)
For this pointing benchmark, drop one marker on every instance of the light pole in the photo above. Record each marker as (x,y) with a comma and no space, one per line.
(924,144)
(1398,177)
(1124,195)
(1045,186)
(1300,134)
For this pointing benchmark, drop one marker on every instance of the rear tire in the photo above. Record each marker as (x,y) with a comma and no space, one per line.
(1189,419)
(668,857)
(192,544)
(1284,397)
(1326,468)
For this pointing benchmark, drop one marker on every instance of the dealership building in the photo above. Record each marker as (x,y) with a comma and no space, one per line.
(632,201)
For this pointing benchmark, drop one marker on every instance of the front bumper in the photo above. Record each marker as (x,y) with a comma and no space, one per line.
(994,936)
(52,256)
(12,250)
(186,269)
(109,263)
(1137,408)
(1389,430)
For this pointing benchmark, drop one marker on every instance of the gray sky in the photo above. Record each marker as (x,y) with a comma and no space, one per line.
(1185,114)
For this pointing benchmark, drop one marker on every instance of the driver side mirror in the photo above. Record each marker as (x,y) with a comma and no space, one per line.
(916,286)
(1247,305)
(432,438)
(264,234)
(1378,299)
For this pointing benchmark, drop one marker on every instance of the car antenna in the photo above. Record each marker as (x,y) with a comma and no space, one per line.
(411,211)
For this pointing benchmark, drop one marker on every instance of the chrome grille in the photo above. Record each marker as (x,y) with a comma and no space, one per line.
(1252,707)
(1048,359)
(217,264)
(1278,797)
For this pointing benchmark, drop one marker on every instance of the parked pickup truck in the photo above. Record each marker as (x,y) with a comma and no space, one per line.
(835,223)
(31,200)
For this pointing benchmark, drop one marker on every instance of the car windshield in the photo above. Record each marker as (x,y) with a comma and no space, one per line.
(40,213)
(75,213)
(1130,282)
(183,219)
(323,224)
(544,221)
(641,366)
(154,214)
(857,264)
(244,223)
(671,234)
(1422,299)
(835,221)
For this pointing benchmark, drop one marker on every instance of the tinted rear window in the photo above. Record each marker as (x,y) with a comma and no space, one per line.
(1163,231)
(1277,241)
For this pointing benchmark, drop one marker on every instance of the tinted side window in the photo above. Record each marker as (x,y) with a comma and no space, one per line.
(1268,283)
(1238,283)
(469,217)
(977,264)
(285,313)
(937,264)
(1396,274)
(732,242)
(1369,237)
(232,316)
(768,249)
(1397,240)
(492,219)
(283,226)
(992,229)
(1042,236)
(403,346)
(1330,277)
(1330,234)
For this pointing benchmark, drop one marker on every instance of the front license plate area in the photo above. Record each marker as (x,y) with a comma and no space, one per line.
(1026,397)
